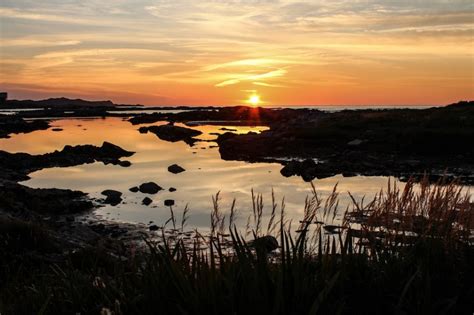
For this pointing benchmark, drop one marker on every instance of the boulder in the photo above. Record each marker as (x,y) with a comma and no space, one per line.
(113,197)
(149,188)
(172,133)
(172,189)
(147,201)
(134,189)
(175,169)
(266,243)
(169,202)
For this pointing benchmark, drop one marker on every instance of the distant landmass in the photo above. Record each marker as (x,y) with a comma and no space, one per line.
(61,102)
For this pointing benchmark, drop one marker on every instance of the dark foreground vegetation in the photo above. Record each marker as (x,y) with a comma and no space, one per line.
(407,251)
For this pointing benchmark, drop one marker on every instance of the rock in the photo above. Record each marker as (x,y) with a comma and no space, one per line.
(113,151)
(13,124)
(169,202)
(149,188)
(124,163)
(355,142)
(147,201)
(154,227)
(290,169)
(17,198)
(172,189)
(113,197)
(57,129)
(266,243)
(134,189)
(175,169)
(172,133)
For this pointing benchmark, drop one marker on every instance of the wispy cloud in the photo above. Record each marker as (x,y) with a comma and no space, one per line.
(208,51)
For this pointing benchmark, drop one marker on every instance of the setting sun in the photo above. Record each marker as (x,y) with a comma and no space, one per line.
(254,100)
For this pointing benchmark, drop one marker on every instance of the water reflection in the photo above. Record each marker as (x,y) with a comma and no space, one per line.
(205,175)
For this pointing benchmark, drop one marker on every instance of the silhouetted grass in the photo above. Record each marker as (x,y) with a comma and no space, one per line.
(407,251)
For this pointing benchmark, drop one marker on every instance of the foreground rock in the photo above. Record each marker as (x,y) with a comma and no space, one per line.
(13,124)
(169,202)
(147,201)
(19,199)
(134,189)
(175,169)
(114,197)
(173,133)
(16,166)
(149,188)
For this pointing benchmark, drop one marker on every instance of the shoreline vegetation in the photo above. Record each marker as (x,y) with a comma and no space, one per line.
(407,251)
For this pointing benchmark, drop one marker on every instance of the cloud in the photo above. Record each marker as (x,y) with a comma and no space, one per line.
(227,82)
(37,42)
(308,46)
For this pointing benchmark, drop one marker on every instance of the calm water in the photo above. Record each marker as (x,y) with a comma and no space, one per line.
(205,175)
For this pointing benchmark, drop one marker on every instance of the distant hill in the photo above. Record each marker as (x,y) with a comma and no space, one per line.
(62,102)
(462,104)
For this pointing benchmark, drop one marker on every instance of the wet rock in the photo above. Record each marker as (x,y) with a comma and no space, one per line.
(172,189)
(149,188)
(16,166)
(134,189)
(266,243)
(125,163)
(172,133)
(113,197)
(16,198)
(13,124)
(169,202)
(175,169)
(146,201)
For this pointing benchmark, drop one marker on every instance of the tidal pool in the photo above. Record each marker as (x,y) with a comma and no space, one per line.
(206,173)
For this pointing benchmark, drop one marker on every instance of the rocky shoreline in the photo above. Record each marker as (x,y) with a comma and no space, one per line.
(53,212)
(392,142)
(308,143)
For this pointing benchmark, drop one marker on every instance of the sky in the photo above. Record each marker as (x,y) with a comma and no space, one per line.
(224,52)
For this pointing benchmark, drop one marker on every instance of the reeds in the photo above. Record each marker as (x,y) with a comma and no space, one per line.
(405,251)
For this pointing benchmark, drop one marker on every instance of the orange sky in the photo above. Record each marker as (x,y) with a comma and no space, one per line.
(175,52)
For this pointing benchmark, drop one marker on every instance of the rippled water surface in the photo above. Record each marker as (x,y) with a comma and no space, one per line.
(205,174)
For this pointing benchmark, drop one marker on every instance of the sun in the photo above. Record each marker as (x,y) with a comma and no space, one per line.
(254,100)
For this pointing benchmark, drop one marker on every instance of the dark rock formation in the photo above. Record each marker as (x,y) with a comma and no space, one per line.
(13,124)
(169,202)
(16,166)
(172,133)
(149,188)
(17,198)
(175,169)
(146,201)
(134,189)
(396,142)
(113,197)
(172,189)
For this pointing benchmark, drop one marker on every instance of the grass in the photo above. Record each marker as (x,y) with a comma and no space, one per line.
(407,251)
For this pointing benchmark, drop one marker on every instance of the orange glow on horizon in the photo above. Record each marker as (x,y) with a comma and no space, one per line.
(209,54)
